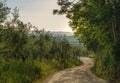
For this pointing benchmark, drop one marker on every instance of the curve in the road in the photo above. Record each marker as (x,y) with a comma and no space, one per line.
(80,74)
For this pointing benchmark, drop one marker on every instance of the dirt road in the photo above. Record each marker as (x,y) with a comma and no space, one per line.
(80,74)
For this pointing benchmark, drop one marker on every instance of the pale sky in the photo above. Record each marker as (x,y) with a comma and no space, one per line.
(39,13)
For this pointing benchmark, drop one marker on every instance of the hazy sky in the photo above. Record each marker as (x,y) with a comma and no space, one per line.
(39,13)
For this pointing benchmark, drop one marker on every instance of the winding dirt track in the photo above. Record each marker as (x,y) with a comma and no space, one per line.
(80,74)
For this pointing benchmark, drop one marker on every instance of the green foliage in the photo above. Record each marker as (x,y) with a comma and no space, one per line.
(97,24)
(4,11)
(18,72)
(41,51)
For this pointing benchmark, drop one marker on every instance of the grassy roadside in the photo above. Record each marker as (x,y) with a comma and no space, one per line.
(109,78)
(48,68)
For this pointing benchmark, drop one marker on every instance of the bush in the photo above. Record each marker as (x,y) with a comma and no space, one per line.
(73,63)
(19,72)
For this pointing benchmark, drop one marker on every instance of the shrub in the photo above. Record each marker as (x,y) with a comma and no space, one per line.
(19,72)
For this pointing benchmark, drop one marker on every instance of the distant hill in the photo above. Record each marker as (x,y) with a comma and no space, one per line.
(67,35)
(60,33)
